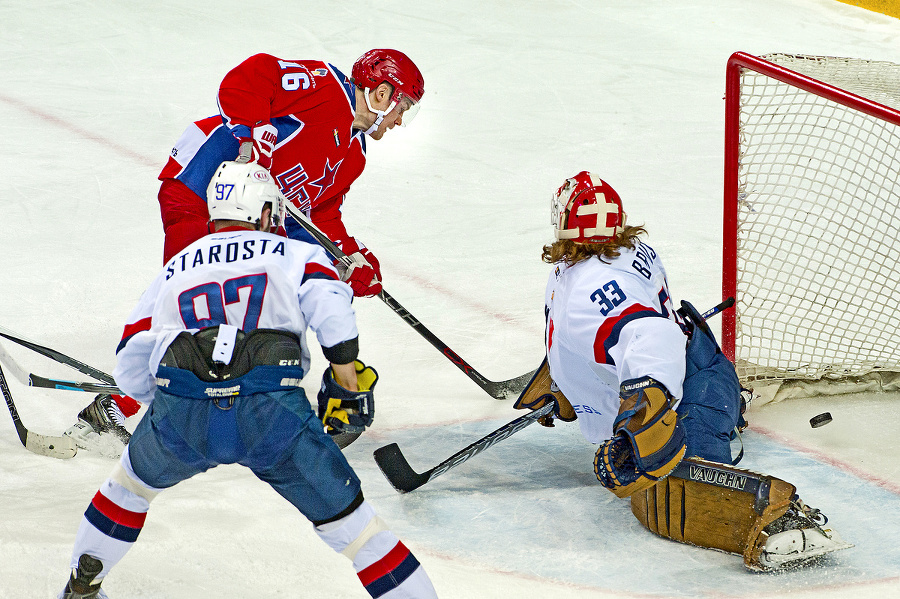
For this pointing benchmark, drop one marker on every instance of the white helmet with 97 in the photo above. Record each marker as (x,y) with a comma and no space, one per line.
(241,191)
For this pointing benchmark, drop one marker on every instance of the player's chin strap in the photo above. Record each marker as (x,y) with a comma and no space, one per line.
(380,114)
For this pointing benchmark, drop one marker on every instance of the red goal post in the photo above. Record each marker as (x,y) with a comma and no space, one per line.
(811,246)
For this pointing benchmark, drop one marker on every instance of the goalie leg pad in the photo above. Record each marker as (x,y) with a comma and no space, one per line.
(693,511)
(720,507)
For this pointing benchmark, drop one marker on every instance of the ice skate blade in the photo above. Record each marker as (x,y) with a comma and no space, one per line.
(799,547)
(86,438)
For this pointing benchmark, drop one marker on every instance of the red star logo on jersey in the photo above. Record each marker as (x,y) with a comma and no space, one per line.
(327,178)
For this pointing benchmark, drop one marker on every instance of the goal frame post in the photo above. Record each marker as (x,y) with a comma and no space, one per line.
(737,63)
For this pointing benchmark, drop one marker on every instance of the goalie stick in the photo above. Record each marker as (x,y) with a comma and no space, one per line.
(55,447)
(403,478)
(496,389)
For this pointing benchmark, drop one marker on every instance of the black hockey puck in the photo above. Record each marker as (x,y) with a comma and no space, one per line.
(820,420)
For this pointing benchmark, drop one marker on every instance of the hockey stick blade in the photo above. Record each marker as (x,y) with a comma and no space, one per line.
(496,389)
(61,448)
(55,447)
(58,357)
(35,380)
(397,470)
(508,389)
(403,478)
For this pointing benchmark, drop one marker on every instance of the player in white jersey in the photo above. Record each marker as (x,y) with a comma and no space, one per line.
(608,322)
(306,122)
(650,386)
(217,347)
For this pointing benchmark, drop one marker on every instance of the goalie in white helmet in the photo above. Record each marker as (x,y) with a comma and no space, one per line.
(217,347)
(650,387)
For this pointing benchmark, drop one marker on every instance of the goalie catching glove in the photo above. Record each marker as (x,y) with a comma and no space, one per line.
(648,439)
(345,411)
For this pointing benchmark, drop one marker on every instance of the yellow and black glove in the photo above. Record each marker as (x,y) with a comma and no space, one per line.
(345,411)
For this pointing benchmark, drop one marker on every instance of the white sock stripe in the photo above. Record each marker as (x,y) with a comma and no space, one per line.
(121,478)
(340,533)
(125,477)
(374,526)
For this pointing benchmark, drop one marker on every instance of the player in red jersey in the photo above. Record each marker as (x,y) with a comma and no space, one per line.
(307,123)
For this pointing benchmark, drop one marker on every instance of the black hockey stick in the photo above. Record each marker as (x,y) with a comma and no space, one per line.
(55,447)
(58,357)
(404,479)
(35,380)
(496,389)
(718,308)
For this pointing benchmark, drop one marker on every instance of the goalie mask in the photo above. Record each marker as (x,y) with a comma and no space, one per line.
(241,191)
(586,209)
(395,68)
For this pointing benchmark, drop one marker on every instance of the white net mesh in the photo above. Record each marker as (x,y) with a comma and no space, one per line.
(818,249)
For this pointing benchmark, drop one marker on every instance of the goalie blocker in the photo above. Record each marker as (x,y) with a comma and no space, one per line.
(721,507)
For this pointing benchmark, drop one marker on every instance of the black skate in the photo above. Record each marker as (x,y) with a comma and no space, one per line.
(100,427)
(81,584)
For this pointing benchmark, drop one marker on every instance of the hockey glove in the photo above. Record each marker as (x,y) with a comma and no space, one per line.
(364,275)
(259,147)
(541,389)
(345,411)
(648,439)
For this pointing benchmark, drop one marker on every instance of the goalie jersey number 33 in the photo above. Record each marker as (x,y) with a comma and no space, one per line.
(618,312)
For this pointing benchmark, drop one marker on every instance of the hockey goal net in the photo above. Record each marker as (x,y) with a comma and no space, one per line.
(812,221)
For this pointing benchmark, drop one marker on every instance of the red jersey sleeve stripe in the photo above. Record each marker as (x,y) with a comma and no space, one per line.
(133,329)
(171,170)
(315,270)
(608,333)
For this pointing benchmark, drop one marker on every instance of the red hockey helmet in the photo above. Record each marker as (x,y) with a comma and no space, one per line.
(586,209)
(391,66)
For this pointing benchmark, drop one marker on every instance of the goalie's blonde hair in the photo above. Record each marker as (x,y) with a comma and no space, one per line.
(573,252)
